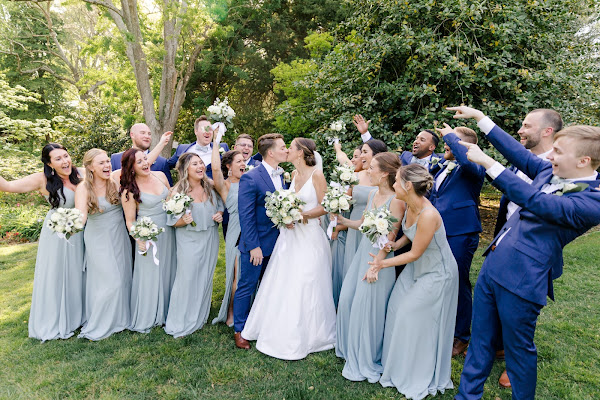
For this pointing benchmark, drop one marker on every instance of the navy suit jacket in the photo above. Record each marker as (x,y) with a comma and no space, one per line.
(529,257)
(183,148)
(406,157)
(159,165)
(457,199)
(257,228)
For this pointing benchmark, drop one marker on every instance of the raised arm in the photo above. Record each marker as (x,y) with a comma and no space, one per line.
(29,183)
(340,156)
(164,140)
(362,126)
(460,152)
(218,178)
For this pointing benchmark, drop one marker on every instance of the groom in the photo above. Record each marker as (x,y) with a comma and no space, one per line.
(258,235)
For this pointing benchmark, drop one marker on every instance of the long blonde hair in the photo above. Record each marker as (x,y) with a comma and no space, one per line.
(112,192)
(183,186)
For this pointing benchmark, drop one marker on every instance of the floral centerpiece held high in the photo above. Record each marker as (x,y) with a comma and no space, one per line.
(222,114)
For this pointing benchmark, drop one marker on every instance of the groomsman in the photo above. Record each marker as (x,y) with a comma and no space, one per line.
(455,195)
(561,203)
(202,146)
(141,138)
(258,234)
(245,144)
(423,150)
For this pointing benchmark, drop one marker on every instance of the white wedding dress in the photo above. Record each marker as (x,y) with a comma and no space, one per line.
(293,313)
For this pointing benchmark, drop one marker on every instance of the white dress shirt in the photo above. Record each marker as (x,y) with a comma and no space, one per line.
(275,179)
(204,152)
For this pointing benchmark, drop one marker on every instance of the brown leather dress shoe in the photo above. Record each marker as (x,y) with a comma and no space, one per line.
(504,381)
(240,342)
(458,347)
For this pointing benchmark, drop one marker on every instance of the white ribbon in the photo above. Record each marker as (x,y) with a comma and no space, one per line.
(64,236)
(222,128)
(331,227)
(381,242)
(154,251)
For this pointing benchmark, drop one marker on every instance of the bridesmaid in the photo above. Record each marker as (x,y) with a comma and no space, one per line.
(142,192)
(57,300)
(362,306)
(360,193)
(197,248)
(231,166)
(419,326)
(107,250)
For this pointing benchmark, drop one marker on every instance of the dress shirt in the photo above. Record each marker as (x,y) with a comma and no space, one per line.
(204,152)
(275,179)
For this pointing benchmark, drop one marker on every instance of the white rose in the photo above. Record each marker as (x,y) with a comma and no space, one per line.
(296,214)
(78,224)
(213,109)
(144,232)
(275,220)
(269,213)
(55,217)
(382,226)
(346,176)
(178,208)
(344,205)
(287,220)
(368,221)
(334,204)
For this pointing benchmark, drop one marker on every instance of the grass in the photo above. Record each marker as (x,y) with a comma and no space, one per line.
(207,365)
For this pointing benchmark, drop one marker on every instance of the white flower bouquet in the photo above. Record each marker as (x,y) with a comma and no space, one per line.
(222,114)
(344,175)
(336,200)
(146,230)
(65,222)
(178,204)
(283,207)
(377,224)
(336,128)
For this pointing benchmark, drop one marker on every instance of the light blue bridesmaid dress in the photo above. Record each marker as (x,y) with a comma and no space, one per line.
(57,300)
(361,313)
(232,254)
(151,286)
(419,329)
(108,265)
(360,194)
(197,252)
(338,271)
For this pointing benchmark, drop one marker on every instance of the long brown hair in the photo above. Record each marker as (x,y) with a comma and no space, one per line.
(183,186)
(388,162)
(112,192)
(128,182)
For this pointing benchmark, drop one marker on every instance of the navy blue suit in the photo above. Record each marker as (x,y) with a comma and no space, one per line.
(159,165)
(517,273)
(457,201)
(257,230)
(406,157)
(183,148)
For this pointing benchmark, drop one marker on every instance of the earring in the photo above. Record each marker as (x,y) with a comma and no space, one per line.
(52,171)
(229,173)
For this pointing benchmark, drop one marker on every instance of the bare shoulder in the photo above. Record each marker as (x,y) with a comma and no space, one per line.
(162,177)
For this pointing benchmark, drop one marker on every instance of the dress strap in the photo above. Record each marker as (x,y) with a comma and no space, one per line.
(419,214)
(371,196)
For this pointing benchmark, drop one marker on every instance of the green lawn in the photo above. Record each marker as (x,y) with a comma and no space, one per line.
(207,365)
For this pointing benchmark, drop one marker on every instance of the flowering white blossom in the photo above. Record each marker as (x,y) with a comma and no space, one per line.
(377,223)
(283,207)
(221,112)
(344,175)
(336,200)
(178,204)
(65,222)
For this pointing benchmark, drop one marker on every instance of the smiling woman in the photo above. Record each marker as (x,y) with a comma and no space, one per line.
(56,305)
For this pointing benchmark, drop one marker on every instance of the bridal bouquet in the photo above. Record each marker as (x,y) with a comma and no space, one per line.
(335,201)
(65,222)
(283,207)
(178,204)
(344,175)
(222,114)
(377,224)
(146,230)
(336,127)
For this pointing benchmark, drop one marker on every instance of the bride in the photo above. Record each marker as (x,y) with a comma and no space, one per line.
(293,313)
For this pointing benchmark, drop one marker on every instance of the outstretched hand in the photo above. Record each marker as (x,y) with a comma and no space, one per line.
(445,130)
(164,139)
(360,123)
(464,112)
(476,155)
(372,273)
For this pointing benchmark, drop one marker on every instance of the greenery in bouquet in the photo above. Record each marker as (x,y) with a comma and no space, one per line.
(65,222)
(283,207)
(377,224)
(178,204)
(336,200)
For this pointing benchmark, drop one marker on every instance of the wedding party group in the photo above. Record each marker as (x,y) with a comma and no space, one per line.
(373,262)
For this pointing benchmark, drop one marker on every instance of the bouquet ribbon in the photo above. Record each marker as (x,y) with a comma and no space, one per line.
(221,126)
(149,243)
(64,236)
(331,227)
(381,242)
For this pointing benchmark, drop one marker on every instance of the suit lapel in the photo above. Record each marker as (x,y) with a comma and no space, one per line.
(266,177)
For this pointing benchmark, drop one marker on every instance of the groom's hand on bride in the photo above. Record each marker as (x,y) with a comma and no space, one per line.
(256,256)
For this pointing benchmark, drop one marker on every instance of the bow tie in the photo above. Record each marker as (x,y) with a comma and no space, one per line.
(557,181)
(420,161)
(277,172)
(205,149)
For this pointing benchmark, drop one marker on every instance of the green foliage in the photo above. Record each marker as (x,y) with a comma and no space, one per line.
(401,63)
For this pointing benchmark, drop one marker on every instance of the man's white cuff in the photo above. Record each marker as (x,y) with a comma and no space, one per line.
(486,125)
(366,137)
(495,170)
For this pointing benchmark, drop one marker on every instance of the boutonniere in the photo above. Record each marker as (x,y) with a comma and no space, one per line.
(571,188)
(287,177)
(434,161)
(249,168)
(450,166)
(221,150)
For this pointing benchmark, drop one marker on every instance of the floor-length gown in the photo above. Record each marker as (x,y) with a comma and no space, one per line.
(57,299)
(360,194)
(338,270)
(108,265)
(361,313)
(419,330)
(232,254)
(293,313)
(197,252)
(151,286)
